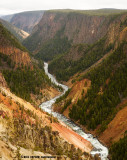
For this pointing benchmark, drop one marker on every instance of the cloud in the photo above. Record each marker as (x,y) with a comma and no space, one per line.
(12,6)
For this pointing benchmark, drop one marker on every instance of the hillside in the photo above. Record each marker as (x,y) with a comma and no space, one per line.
(54,34)
(58,26)
(95,70)
(82,51)
(20,70)
(9,44)
(88,50)
(98,101)
(26,130)
(7,17)
(18,33)
(26,20)
(100,74)
(82,56)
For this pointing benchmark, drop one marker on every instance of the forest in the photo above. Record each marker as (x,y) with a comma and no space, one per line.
(118,150)
(7,39)
(24,81)
(53,48)
(50,49)
(108,88)
(64,69)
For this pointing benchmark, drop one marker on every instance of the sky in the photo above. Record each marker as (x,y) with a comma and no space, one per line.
(14,6)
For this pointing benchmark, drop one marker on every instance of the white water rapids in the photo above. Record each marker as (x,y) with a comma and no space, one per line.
(47,107)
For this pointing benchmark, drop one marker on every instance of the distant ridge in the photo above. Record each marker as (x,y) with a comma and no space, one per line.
(7,17)
(24,20)
(18,33)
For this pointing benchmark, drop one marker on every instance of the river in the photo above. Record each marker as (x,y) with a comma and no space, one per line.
(47,107)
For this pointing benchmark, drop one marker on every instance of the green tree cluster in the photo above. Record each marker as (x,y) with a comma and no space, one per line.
(118,150)
(99,108)
(6,59)
(53,48)
(64,69)
(7,39)
(24,81)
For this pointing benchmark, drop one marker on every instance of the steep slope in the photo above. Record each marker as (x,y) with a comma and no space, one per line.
(26,20)
(27,131)
(18,33)
(120,147)
(23,74)
(23,126)
(116,129)
(81,56)
(108,47)
(10,46)
(68,27)
(96,65)
(97,98)
(7,17)
(98,106)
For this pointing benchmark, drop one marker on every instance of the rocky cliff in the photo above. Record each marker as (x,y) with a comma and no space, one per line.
(21,71)
(18,33)
(76,26)
(70,27)
(97,99)
(26,20)
(10,46)
(79,28)
(18,56)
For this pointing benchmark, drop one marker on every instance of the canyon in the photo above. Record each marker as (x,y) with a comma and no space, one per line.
(86,50)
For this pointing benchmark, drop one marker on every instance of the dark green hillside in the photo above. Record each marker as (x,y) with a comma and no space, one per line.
(53,48)
(98,108)
(64,69)
(31,42)
(6,61)
(50,48)
(18,33)
(118,151)
(7,39)
(22,80)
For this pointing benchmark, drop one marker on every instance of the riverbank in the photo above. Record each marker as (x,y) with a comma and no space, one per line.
(10,110)
(90,132)
(47,107)
(70,136)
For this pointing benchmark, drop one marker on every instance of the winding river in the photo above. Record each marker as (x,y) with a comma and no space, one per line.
(47,107)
